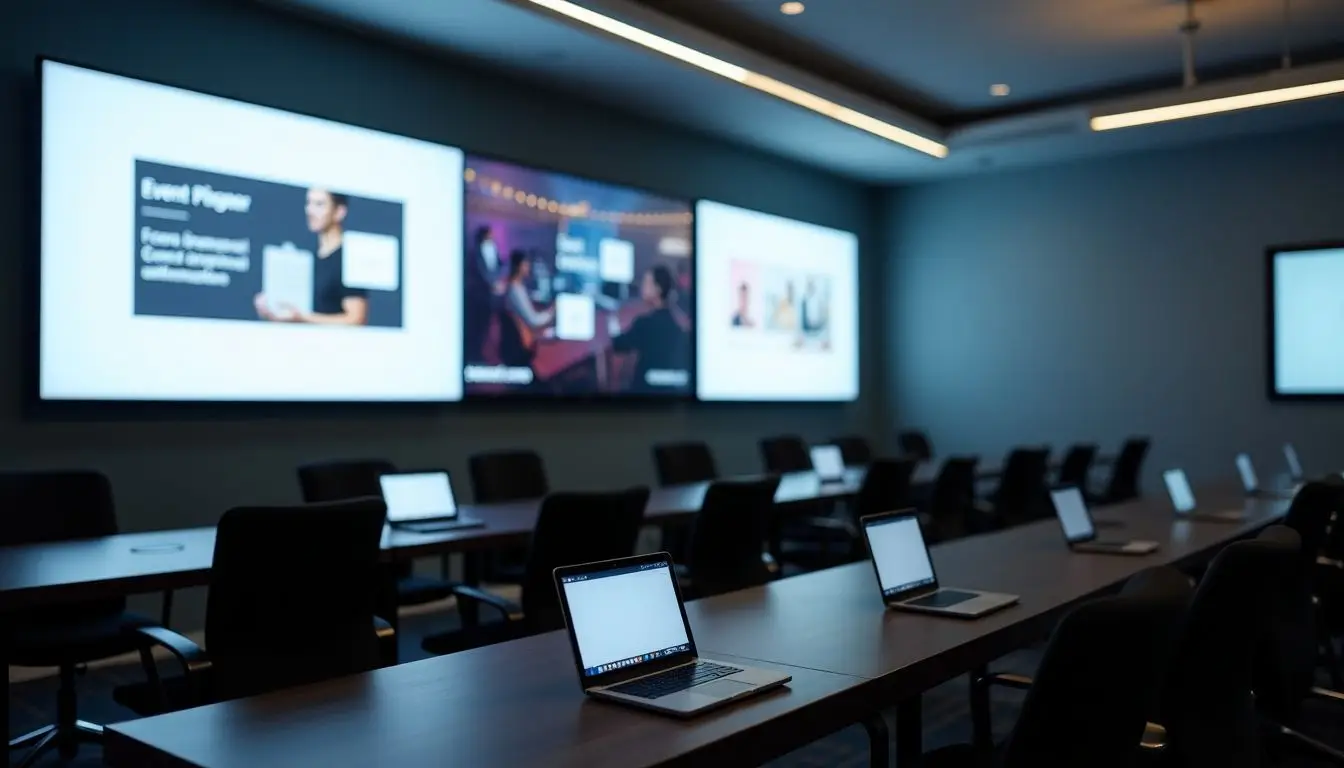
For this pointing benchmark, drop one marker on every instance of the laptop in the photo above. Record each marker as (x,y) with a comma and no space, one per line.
(905,571)
(1294,466)
(422,502)
(1183,501)
(829,463)
(633,644)
(1251,482)
(1081,534)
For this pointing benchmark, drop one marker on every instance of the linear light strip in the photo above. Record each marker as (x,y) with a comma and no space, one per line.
(1214,106)
(744,76)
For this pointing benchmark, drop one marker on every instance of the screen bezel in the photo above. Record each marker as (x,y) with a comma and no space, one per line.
(150,408)
(457,503)
(880,518)
(527,396)
(1087,511)
(637,670)
(1272,253)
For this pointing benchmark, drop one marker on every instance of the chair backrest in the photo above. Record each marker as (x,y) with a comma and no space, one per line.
(1099,677)
(292,595)
(1077,465)
(953,497)
(1286,665)
(728,535)
(1020,496)
(915,443)
(886,486)
(786,453)
(50,506)
(504,476)
(680,463)
(341,480)
(576,528)
(854,449)
(1124,482)
(1207,704)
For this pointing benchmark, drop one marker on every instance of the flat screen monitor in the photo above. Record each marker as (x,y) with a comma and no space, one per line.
(1306,322)
(574,288)
(778,308)
(196,248)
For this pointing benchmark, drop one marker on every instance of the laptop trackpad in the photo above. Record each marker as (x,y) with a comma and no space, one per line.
(722,689)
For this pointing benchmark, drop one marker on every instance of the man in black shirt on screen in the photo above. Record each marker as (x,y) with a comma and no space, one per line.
(656,336)
(334,303)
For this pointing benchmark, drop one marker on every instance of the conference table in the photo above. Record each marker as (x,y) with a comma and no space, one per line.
(519,703)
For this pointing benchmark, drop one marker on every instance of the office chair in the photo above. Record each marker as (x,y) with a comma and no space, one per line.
(1328,584)
(1021,493)
(572,528)
(41,507)
(681,464)
(292,600)
(886,487)
(915,443)
(785,453)
(1101,671)
(500,477)
(854,448)
(1077,466)
(951,503)
(728,537)
(358,478)
(1124,481)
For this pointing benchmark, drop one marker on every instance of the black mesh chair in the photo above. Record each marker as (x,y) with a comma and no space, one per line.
(951,506)
(915,443)
(1093,691)
(854,449)
(572,528)
(499,477)
(292,600)
(785,453)
(728,537)
(358,478)
(43,507)
(682,463)
(1021,494)
(1125,473)
(1077,466)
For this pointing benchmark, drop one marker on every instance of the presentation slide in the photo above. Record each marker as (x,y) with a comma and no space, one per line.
(573,288)
(1308,321)
(778,308)
(196,248)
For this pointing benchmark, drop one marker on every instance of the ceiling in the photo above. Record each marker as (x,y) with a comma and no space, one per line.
(935,60)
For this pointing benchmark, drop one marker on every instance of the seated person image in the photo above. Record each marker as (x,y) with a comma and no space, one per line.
(656,336)
(742,315)
(520,321)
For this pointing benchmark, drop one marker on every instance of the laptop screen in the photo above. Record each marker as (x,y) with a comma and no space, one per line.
(1071,509)
(899,553)
(1290,455)
(1178,488)
(828,461)
(625,616)
(1247,471)
(418,496)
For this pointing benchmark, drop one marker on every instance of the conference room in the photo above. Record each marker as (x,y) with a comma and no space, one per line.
(643,383)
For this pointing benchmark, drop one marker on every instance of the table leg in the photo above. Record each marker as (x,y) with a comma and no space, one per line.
(166,610)
(982,732)
(909,732)
(879,741)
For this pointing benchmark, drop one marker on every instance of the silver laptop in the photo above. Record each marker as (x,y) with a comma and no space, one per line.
(633,644)
(1294,466)
(422,502)
(1183,500)
(1250,481)
(829,463)
(1081,533)
(905,571)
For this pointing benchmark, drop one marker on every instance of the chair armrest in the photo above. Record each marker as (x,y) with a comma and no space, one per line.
(190,655)
(1325,694)
(510,611)
(1005,679)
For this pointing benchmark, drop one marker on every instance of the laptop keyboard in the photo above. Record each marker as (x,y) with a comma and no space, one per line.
(674,680)
(943,598)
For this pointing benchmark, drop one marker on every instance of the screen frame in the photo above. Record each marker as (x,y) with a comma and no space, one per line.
(1272,391)
(603,398)
(647,668)
(1087,510)
(121,408)
(1194,501)
(452,491)
(889,517)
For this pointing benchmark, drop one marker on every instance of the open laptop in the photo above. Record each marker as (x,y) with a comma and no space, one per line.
(905,571)
(1081,534)
(829,463)
(633,644)
(1183,500)
(422,502)
(1250,481)
(1294,466)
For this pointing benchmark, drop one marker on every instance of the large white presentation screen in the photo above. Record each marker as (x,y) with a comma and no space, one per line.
(198,248)
(1307,311)
(777,307)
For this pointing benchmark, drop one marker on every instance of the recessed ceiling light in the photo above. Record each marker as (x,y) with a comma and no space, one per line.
(999,89)
(792,8)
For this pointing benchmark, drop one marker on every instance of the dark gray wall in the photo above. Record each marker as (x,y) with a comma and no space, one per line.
(1091,301)
(175,473)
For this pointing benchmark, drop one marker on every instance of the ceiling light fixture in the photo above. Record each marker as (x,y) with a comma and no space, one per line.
(999,89)
(744,76)
(792,8)
(1200,108)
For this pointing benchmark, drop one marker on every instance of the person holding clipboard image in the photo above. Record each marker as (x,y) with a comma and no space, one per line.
(334,303)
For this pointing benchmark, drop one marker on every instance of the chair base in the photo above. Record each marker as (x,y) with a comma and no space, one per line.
(66,739)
